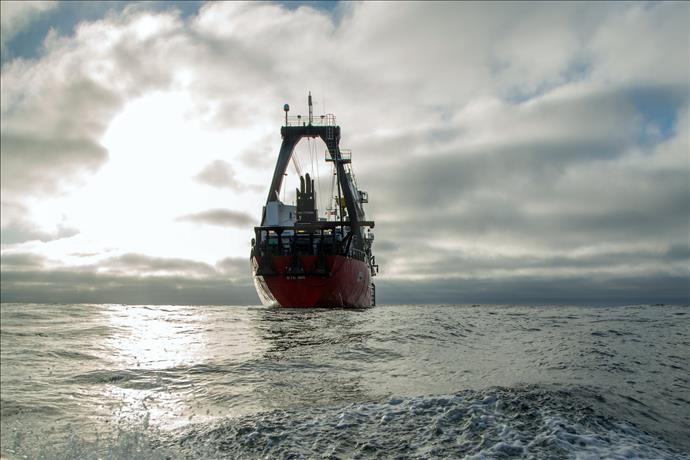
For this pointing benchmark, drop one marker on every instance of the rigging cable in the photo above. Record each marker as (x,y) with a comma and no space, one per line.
(295,163)
(331,197)
(311,161)
(312,157)
(318,179)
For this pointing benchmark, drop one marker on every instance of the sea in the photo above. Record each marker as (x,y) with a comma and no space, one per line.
(400,381)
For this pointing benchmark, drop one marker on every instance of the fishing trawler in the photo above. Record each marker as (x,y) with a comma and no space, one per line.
(301,257)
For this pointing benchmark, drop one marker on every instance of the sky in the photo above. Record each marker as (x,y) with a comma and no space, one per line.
(512,152)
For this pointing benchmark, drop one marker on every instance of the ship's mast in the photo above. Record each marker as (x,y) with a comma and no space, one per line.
(311,110)
(293,131)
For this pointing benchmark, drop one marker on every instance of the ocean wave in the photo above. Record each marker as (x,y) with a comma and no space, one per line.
(9,408)
(135,379)
(531,422)
(228,382)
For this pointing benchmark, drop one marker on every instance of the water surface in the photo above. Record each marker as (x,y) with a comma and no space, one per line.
(112,381)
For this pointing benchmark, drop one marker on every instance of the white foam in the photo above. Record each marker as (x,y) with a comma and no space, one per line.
(473,425)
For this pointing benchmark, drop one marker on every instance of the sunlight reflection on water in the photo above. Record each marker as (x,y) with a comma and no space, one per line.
(171,358)
(152,339)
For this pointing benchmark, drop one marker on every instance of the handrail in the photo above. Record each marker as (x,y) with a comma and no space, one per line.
(271,242)
(311,226)
(323,120)
(345,155)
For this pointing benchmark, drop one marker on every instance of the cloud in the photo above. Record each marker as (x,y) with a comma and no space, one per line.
(21,261)
(501,144)
(18,228)
(30,161)
(127,278)
(56,109)
(534,290)
(220,174)
(143,265)
(73,286)
(220,217)
(431,261)
(234,267)
(16,15)
(26,232)
(23,282)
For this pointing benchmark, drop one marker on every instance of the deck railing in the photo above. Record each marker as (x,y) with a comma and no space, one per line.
(286,241)
(345,155)
(321,120)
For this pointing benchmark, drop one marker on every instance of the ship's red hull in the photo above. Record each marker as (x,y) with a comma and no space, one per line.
(348,283)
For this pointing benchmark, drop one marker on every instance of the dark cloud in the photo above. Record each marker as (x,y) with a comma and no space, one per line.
(234,267)
(678,252)
(218,174)
(534,147)
(549,196)
(71,286)
(20,232)
(150,266)
(74,286)
(32,162)
(665,220)
(21,261)
(220,217)
(128,278)
(443,262)
(577,290)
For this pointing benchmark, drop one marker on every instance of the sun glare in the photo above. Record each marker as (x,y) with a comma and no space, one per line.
(157,145)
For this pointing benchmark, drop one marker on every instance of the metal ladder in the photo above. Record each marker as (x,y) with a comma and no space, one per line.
(330,139)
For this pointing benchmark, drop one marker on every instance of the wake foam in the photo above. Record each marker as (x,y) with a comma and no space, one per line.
(532,422)
(495,423)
